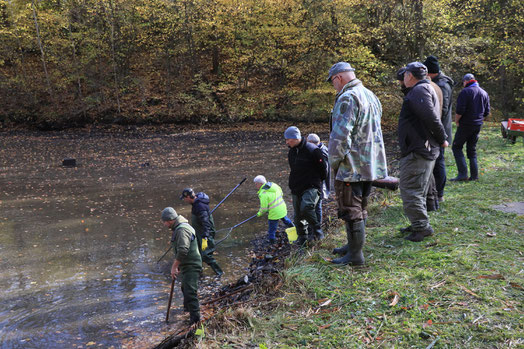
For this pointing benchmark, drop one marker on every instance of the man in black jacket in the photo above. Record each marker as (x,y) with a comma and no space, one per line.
(420,136)
(308,170)
(204,225)
(446,85)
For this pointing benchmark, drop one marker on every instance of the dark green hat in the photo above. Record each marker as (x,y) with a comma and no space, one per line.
(169,214)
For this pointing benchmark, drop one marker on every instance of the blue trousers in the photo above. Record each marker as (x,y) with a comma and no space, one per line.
(272,225)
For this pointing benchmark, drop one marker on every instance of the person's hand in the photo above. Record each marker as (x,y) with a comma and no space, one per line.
(174,272)
(445,144)
(457,123)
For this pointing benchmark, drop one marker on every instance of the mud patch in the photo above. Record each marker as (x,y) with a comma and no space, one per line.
(511,207)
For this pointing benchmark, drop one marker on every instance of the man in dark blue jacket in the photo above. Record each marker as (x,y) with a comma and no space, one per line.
(420,136)
(472,108)
(308,170)
(204,225)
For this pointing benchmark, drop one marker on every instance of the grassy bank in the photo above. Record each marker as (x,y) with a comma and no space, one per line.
(461,288)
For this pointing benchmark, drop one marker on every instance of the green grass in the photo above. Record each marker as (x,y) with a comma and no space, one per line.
(441,293)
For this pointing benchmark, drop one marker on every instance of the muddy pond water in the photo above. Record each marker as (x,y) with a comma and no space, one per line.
(79,245)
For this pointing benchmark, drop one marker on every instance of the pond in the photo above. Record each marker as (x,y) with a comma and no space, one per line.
(79,245)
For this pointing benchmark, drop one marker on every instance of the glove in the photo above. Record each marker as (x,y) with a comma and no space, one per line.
(204,244)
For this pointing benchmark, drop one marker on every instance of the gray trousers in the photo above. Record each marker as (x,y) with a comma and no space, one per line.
(415,172)
(304,207)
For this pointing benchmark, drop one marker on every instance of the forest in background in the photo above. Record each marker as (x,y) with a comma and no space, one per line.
(66,63)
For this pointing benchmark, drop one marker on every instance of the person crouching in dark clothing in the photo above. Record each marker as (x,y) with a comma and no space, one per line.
(308,170)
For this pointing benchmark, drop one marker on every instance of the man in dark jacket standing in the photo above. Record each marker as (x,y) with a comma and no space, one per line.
(326,185)
(187,264)
(308,170)
(202,221)
(446,85)
(420,136)
(472,108)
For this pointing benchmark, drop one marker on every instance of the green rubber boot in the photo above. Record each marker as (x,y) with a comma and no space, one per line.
(356,240)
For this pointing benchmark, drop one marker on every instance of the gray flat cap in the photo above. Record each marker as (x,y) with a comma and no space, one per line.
(339,68)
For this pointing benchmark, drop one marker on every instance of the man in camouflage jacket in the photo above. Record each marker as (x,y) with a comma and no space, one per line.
(188,263)
(356,155)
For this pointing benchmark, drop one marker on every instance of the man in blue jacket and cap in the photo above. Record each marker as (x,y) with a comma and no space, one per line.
(472,108)
(204,225)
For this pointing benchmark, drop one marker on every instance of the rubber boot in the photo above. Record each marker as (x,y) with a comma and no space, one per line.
(216,269)
(356,240)
(301,240)
(359,238)
(341,250)
(462,169)
(319,234)
(407,229)
(344,249)
(194,318)
(346,255)
(473,169)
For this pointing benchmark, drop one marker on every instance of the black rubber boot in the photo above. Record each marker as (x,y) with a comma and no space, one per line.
(356,240)
(194,318)
(462,169)
(216,269)
(407,229)
(344,249)
(319,234)
(301,240)
(341,250)
(473,169)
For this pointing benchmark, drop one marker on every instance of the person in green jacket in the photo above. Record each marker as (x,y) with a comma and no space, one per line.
(272,203)
(188,263)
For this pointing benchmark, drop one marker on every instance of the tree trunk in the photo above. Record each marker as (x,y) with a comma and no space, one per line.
(39,41)
(76,64)
(113,53)
(420,41)
(20,51)
(189,36)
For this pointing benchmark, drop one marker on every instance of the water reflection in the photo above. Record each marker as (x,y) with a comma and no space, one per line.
(79,245)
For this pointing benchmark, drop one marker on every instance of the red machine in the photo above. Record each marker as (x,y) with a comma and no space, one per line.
(512,128)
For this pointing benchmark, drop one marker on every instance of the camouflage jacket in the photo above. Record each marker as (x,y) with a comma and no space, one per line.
(356,147)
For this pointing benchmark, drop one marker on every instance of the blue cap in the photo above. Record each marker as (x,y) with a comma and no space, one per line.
(292,132)
(468,77)
(339,68)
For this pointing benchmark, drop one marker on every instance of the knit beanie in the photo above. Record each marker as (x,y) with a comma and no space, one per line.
(432,64)
(292,132)
(169,214)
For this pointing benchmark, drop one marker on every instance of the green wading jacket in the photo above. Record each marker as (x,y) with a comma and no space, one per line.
(184,244)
